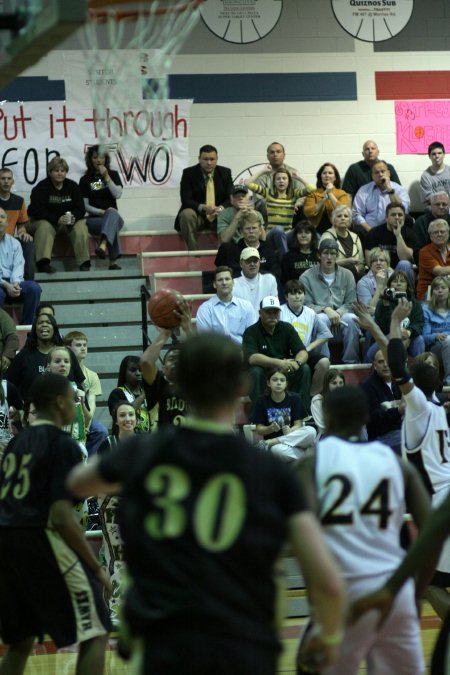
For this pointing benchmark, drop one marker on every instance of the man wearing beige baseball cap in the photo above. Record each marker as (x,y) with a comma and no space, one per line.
(252,285)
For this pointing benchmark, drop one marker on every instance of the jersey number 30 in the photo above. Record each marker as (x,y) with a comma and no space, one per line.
(376,505)
(217,515)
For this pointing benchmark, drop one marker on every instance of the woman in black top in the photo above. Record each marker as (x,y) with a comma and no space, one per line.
(101,187)
(302,252)
(31,360)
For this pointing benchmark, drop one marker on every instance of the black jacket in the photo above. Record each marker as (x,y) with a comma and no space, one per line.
(193,188)
(381,421)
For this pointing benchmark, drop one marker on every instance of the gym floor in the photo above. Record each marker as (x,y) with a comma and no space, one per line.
(46,662)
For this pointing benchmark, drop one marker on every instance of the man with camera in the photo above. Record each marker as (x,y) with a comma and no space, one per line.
(394,237)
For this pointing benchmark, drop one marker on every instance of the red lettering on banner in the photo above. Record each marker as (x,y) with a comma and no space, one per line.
(140,123)
(64,119)
(19,123)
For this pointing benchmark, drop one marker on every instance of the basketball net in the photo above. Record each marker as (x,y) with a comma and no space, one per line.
(151,32)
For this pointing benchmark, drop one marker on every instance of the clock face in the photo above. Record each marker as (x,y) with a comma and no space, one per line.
(241,21)
(373,20)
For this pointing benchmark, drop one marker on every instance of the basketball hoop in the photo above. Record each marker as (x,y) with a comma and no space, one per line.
(152,32)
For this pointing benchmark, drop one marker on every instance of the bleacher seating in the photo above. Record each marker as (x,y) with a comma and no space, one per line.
(106,304)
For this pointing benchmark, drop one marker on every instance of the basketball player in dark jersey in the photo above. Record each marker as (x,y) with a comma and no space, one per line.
(204,517)
(50,579)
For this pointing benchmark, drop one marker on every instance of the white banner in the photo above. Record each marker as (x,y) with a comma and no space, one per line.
(32,133)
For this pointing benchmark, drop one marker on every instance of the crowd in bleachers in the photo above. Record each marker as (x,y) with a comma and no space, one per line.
(305,276)
(340,242)
(307,252)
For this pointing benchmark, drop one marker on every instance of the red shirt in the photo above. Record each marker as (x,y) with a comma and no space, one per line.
(429,258)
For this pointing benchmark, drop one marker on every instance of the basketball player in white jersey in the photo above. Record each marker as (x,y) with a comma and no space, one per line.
(421,557)
(361,493)
(424,439)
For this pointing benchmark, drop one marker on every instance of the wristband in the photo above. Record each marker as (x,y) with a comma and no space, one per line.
(391,192)
(332,640)
(397,361)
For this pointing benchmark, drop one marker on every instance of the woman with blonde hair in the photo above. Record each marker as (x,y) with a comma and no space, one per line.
(436,329)
(350,250)
(371,286)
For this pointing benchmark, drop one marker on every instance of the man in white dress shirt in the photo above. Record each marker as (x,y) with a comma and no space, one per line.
(252,285)
(225,313)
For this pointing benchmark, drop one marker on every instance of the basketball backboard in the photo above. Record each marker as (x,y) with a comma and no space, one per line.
(29,29)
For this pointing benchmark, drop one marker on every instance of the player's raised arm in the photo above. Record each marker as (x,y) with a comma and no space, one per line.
(396,350)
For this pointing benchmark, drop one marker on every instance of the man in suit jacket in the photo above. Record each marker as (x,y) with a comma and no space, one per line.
(205,191)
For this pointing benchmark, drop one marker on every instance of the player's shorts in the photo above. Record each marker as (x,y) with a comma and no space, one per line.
(46,589)
(443,564)
(197,652)
(394,649)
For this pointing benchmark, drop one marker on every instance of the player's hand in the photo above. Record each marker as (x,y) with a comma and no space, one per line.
(184,313)
(285,429)
(381,600)
(274,428)
(164,335)
(313,655)
(363,315)
(441,337)
(105,581)
(402,310)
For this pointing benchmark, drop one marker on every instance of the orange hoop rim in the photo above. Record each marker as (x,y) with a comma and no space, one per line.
(97,14)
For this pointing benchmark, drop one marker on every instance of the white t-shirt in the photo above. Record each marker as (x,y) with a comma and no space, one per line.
(254,290)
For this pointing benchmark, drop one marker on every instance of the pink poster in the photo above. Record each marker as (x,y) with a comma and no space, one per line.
(419,123)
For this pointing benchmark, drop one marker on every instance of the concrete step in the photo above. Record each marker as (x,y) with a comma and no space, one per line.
(196,300)
(137,241)
(67,269)
(98,313)
(162,240)
(108,384)
(177,261)
(89,288)
(106,363)
(185,282)
(115,338)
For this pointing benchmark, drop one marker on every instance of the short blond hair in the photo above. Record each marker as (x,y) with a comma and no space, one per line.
(56,163)
(378,252)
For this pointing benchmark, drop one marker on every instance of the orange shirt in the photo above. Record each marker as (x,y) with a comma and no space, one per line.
(16,212)
(429,258)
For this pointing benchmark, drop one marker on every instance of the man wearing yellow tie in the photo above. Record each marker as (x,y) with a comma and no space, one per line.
(205,191)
